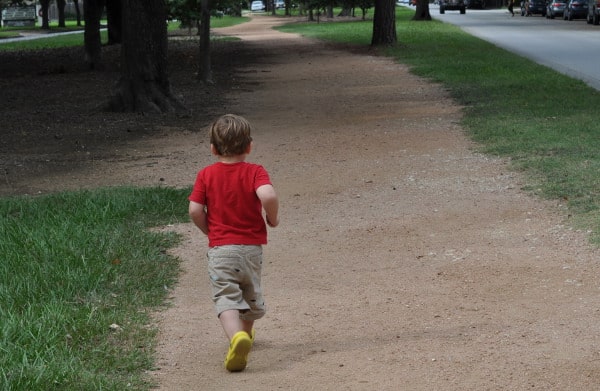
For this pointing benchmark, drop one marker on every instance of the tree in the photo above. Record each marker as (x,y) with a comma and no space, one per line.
(7,3)
(60,5)
(288,7)
(197,12)
(144,84)
(77,12)
(365,5)
(45,4)
(187,12)
(422,11)
(384,23)
(204,63)
(114,12)
(92,12)
(329,11)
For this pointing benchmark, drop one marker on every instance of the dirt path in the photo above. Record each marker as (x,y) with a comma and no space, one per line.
(404,261)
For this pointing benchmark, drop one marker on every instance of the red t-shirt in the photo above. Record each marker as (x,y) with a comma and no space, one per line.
(233,210)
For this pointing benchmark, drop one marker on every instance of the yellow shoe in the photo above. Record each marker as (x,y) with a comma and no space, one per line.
(252,336)
(239,348)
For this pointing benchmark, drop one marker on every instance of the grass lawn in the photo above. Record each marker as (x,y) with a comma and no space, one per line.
(73,264)
(76,39)
(79,277)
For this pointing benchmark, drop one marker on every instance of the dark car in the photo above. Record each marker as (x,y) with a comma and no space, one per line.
(452,5)
(576,9)
(533,7)
(555,8)
(593,12)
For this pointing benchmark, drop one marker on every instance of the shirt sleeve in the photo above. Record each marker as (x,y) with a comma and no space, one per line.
(261,177)
(198,194)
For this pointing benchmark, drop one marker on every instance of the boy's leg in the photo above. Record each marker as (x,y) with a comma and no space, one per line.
(240,340)
(231,322)
(247,326)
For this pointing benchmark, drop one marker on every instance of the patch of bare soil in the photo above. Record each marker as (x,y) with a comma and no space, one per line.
(405,260)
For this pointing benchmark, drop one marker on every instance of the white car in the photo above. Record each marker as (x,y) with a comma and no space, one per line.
(257,6)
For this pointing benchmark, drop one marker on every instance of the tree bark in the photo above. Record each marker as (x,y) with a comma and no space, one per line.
(204,65)
(45,4)
(114,12)
(144,84)
(92,11)
(77,12)
(329,11)
(60,4)
(422,10)
(346,11)
(384,23)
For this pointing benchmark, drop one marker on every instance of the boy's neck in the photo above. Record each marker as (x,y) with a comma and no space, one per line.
(231,159)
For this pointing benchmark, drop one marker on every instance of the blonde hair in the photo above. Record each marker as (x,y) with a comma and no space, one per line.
(230,135)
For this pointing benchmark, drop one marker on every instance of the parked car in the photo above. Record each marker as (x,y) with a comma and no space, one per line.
(257,5)
(555,8)
(593,12)
(452,5)
(533,7)
(576,9)
(279,4)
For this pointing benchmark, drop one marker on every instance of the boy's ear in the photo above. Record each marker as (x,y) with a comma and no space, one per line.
(213,150)
(249,148)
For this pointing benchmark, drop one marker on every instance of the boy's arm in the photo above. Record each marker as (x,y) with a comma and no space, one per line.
(198,215)
(270,203)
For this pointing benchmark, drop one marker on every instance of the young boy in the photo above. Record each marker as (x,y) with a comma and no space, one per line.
(226,203)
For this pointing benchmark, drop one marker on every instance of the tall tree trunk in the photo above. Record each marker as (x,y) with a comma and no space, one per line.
(77,12)
(422,11)
(92,11)
(114,13)
(236,9)
(384,23)
(204,65)
(288,6)
(60,4)
(329,11)
(45,4)
(346,11)
(144,84)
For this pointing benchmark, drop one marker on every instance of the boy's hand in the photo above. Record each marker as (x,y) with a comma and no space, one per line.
(270,204)
(272,224)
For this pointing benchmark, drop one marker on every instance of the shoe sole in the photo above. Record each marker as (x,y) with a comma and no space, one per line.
(237,357)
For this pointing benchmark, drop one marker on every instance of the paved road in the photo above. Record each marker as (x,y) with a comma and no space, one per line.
(570,47)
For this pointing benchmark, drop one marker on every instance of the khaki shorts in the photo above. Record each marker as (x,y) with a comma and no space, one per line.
(235,273)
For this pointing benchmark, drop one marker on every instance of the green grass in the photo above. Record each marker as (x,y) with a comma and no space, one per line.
(72,265)
(8,34)
(50,42)
(545,122)
(69,26)
(227,21)
(76,39)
